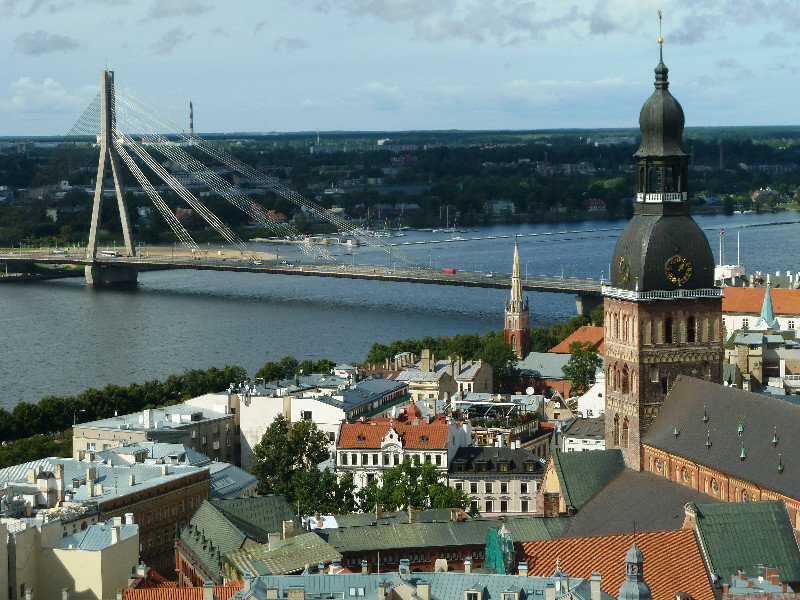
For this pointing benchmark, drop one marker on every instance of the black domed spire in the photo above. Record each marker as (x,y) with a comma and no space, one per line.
(661,119)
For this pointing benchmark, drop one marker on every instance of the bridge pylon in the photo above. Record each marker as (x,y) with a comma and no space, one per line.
(109,160)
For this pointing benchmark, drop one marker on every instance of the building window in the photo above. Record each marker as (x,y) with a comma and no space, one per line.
(745,496)
(668,330)
(625,433)
(524,506)
(503,506)
(374,459)
(489,486)
(664,385)
(331,437)
(306,415)
(459,485)
(344,459)
(791,323)
(745,323)
(685,474)
(523,487)
(504,467)
(690,329)
(616,428)
(365,459)
(503,487)
(514,343)
(90,446)
(489,507)
(473,488)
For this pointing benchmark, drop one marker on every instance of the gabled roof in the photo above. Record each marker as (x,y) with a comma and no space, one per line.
(222,525)
(691,400)
(589,428)
(291,556)
(586,333)
(750,300)
(515,458)
(97,537)
(543,365)
(369,434)
(222,592)
(438,534)
(634,501)
(228,480)
(582,474)
(745,535)
(672,561)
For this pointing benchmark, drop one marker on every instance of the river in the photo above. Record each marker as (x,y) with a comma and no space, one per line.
(61,337)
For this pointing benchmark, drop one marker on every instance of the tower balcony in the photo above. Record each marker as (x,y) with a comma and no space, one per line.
(661,197)
(637,296)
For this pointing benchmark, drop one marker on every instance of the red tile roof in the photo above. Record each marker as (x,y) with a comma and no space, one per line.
(152,579)
(369,433)
(750,300)
(223,592)
(672,561)
(587,333)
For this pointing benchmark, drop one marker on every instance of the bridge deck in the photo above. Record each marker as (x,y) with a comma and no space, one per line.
(534,283)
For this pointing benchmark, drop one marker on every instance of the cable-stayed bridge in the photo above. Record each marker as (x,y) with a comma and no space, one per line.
(132,134)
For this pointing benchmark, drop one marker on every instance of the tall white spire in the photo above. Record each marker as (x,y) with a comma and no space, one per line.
(516,282)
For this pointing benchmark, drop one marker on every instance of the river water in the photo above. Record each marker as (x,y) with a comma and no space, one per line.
(61,337)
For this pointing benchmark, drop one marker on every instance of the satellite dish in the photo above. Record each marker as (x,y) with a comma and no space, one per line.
(530,391)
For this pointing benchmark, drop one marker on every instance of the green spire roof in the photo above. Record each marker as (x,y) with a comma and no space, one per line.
(767,313)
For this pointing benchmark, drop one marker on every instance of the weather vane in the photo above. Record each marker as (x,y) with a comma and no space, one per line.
(660,39)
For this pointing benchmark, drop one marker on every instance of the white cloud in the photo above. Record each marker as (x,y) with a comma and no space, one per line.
(29,96)
(291,43)
(36,43)
(170,40)
(162,9)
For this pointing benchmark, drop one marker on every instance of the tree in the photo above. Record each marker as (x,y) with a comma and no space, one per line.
(582,366)
(499,354)
(284,452)
(597,315)
(271,371)
(541,339)
(411,484)
(318,491)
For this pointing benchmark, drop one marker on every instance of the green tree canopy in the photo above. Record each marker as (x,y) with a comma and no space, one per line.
(411,484)
(582,366)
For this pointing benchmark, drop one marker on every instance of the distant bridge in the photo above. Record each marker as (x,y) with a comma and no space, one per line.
(588,291)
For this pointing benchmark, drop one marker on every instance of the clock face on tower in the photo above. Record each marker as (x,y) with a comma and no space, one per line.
(679,269)
(624,269)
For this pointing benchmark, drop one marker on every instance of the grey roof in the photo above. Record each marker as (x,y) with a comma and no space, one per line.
(593,428)
(115,479)
(228,481)
(367,391)
(730,373)
(470,457)
(223,525)
(543,365)
(661,120)
(633,501)
(762,417)
(97,537)
(757,339)
(444,586)
(437,534)
(420,516)
(168,418)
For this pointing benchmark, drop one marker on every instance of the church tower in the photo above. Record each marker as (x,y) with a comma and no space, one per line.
(663,315)
(517,326)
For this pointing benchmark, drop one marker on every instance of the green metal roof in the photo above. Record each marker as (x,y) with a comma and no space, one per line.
(291,556)
(438,534)
(743,535)
(582,474)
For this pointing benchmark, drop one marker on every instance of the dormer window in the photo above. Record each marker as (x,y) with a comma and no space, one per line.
(530,467)
(503,467)
(423,439)
(361,438)
(509,596)
(472,595)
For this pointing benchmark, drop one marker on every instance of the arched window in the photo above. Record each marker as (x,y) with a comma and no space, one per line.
(514,343)
(669,180)
(625,433)
(690,329)
(616,326)
(625,380)
(654,179)
(616,427)
(616,379)
(668,330)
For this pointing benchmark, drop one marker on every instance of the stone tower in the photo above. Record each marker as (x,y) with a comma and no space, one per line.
(634,587)
(517,324)
(663,316)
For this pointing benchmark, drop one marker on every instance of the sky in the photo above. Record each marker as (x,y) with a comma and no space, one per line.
(385,65)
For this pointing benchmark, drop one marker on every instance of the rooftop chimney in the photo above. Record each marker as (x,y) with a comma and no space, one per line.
(288,529)
(29,594)
(410,514)
(364,568)
(208,590)
(424,590)
(65,594)
(248,582)
(522,569)
(468,566)
(550,592)
(128,518)
(594,581)
(132,480)
(273,540)
(378,512)
(115,534)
